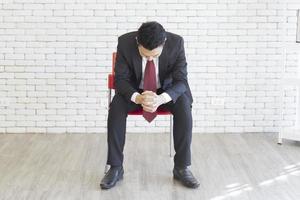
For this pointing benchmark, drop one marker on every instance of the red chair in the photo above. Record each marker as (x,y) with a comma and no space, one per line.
(111,87)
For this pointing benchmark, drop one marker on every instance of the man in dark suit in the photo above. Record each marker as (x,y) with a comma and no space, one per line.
(150,72)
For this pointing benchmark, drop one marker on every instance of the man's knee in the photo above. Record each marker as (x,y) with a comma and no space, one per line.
(118,104)
(182,104)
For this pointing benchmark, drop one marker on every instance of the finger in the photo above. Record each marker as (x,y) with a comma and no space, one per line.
(149,100)
(147,97)
(146,107)
(148,104)
(147,92)
(150,108)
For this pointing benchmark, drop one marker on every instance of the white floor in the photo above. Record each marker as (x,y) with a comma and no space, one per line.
(229,166)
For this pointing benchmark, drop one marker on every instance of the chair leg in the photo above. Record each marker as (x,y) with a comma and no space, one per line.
(108,102)
(171,134)
(106,165)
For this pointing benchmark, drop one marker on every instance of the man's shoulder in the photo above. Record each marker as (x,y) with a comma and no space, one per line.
(173,40)
(173,36)
(128,36)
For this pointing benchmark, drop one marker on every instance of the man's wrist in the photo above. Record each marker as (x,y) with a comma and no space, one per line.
(166,97)
(133,97)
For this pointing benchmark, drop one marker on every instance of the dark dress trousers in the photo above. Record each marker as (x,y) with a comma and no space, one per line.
(173,79)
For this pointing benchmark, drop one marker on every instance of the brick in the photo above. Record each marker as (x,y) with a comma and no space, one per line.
(55,57)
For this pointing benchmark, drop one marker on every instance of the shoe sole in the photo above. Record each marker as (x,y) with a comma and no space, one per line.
(189,186)
(108,187)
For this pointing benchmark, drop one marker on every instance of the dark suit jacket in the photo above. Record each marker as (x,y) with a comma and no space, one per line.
(172,67)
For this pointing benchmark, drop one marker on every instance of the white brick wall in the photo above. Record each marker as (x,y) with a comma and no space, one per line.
(55,57)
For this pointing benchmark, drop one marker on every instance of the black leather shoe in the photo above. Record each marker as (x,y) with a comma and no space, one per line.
(110,179)
(185,176)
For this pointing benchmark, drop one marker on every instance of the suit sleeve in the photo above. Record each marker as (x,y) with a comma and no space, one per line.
(179,74)
(123,74)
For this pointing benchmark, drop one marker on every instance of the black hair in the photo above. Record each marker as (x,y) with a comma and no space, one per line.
(151,35)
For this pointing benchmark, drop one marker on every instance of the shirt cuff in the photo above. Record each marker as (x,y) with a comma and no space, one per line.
(166,97)
(134,96)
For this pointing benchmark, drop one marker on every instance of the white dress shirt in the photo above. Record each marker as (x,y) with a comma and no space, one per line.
(158,85)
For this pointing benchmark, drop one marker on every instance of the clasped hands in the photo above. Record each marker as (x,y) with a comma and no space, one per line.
(150,101)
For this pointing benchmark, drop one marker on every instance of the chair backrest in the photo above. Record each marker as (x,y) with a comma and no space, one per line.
(114,57)
(111,77)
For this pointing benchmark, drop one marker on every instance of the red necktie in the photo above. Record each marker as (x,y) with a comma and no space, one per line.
(150,85)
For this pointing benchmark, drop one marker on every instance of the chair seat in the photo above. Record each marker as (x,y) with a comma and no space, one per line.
(160,111)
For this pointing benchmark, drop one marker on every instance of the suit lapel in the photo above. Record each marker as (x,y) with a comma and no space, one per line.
(162,64)
(137,64)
